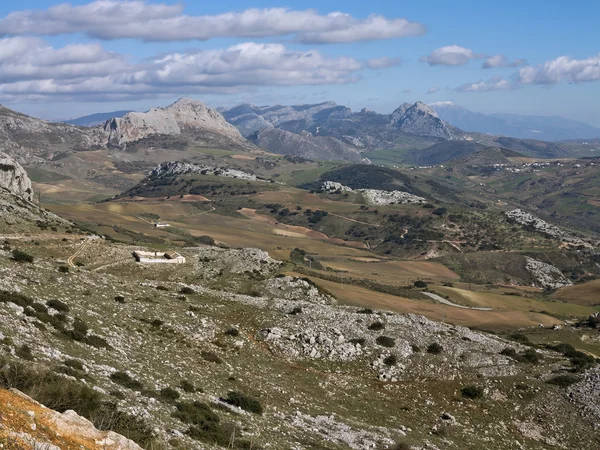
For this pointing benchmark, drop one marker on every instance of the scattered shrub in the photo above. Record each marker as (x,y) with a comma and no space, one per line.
(297,310)
(519,337)
(243,401)
(157,323)
(97,341)
(63,269)
(390,360)
(385,341)
(472,392)
(415,348)
(365,311)
(74,364)
(563,380)
(187,291)
(186,386)
(120,299)
(510,352)
(21,256)
(162,288)
(125,380)
(169,394)
(206,240)
(58,305)
(24,352)
(434,348)
(211,357)
(420,284)
(377,326)
(360,341)
(529,356)
(233,332)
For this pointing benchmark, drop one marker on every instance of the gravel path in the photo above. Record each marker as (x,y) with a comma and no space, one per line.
(449,303)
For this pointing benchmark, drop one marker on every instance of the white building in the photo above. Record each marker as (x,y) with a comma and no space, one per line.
(170,257)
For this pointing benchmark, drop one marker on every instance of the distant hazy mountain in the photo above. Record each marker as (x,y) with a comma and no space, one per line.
(549,128)
(96,119)
(331,131)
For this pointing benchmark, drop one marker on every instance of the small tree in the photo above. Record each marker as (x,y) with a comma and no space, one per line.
(435,348)
(420,284)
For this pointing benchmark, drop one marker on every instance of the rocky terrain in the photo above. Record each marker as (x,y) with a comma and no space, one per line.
(527,219)
(180,168)
(375,196)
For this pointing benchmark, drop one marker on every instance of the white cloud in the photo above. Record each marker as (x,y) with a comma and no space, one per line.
(561,69)
(451,55)
(138,19)
(432,90)
(383,63)
(497,61)
(32,69)
(493,84)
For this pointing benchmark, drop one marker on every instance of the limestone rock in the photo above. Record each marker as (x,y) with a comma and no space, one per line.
(14,178)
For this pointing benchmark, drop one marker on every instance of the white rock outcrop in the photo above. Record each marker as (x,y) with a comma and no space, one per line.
(14,178)
(525,218)
(375,196)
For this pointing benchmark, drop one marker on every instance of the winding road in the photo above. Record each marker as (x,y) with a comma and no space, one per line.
(449,303)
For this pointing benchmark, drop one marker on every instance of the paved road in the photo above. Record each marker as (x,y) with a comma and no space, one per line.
(449,303)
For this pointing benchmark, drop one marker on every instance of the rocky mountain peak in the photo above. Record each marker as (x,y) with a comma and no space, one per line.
(399,112)
(185,116)
(14,178)
(421,119)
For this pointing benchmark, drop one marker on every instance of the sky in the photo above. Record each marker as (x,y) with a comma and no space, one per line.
(62,60)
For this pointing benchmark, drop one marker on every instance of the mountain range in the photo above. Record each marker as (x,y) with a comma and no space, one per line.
(549,128)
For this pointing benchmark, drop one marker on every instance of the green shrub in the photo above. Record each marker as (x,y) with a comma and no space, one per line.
(233,332)
(186,386)
(120,299)
(365,311)
(510,352)
(21,256)
(519,337)
(563,380)
(206,240)
(58,305)
(157,323)
(169,394)
(125,380)
(360,341)
(24,352)
(529,356)
(435,348)
(472,392)
(390,360)
(420,284)
(63,269)
(415,348)
(97,341)
(243,401)
(16,298)
(377,326)
(210,357)
(187,291)
(385,341)
(74,364)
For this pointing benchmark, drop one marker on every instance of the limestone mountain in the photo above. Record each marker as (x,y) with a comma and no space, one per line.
(422,120)
(186,118)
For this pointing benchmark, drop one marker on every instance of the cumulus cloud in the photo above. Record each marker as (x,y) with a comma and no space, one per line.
(451,55)
(497,61)
(383,63)
(493,84)
(432,90)
(138,19)
(561,69)
(31,69)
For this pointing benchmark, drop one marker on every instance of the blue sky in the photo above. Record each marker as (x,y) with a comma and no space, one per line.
(552,49)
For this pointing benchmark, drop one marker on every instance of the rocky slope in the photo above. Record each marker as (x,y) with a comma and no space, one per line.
(185,117)
(31,140)
(157,339)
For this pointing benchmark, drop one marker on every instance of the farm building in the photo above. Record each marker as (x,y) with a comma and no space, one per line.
(161,225)
(170,257)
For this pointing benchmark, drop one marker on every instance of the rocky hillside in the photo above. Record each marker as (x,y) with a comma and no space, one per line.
(250,358)
(30,140)
(187,118)
(305,145)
